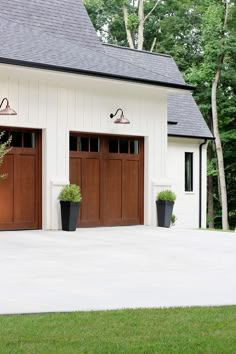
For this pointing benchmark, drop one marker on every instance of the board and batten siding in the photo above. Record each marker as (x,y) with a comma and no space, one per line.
(186,207)
(58,103)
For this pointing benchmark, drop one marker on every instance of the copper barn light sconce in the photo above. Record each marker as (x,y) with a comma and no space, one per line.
(7,111)
(121,119)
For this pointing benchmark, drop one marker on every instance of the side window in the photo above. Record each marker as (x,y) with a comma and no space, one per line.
(188,171)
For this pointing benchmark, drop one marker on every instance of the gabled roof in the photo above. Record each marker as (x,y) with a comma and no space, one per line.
(58,35)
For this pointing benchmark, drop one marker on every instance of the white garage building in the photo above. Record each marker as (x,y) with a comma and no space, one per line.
(64,84)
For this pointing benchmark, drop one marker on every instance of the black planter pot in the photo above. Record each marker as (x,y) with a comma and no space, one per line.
(69,215)
(164,212)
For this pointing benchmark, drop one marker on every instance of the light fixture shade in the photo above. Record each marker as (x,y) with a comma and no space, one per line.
(8,111)
(122,120)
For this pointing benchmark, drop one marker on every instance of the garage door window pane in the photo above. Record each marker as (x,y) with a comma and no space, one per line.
(16,139)
(29,140)
(134,147)
(73,143)
(84,144)
(94,144)
(124,146)
(4,137)
(113,145)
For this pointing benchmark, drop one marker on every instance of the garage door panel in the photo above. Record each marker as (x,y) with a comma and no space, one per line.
(113,188)
(130,190)
(25,189)
(90,209)
(75,171)
(7,190)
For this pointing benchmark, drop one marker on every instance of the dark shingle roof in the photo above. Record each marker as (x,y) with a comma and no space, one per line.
(59,35)
(161,64)
(183,110)
(66,19)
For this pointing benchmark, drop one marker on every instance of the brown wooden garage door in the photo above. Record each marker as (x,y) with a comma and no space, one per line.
(109,170)
(20,201)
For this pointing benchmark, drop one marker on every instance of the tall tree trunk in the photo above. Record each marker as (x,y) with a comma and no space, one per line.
(141,24)
(128,32)
(141,21)
(219,150)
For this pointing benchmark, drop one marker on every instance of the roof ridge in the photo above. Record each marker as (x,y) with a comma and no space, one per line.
(138,50)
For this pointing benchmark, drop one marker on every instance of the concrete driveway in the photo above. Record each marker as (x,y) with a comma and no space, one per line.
(111,268)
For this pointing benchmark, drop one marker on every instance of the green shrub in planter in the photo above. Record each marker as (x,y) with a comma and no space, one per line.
(165,202)
(166,195)
(70,193)
(70,198)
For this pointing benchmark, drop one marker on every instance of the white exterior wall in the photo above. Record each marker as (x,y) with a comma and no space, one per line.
(59,103)
(186,207)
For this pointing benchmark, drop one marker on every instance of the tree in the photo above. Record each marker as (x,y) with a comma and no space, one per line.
(170,27)
(216,79)
(4,149)
(137,22)
(115,18)
(219,151)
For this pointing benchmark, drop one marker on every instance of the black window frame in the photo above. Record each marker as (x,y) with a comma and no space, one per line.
(188,173)
(85,145)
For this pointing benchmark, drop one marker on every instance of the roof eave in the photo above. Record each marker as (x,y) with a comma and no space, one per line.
(93,73)
(191,136)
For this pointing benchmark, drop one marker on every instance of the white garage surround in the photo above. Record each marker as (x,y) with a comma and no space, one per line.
(112,268)
(58,103)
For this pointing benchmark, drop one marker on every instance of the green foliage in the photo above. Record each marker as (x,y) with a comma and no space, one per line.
(214,42)
(176,330)
(167,195)
(173,219)
(4,149)
(211,167)
(70,193)
(133,22)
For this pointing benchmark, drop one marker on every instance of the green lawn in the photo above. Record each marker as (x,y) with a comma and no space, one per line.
(186,330)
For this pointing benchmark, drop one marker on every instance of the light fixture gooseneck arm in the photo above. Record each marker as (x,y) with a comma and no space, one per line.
(3,101)
(113,115)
